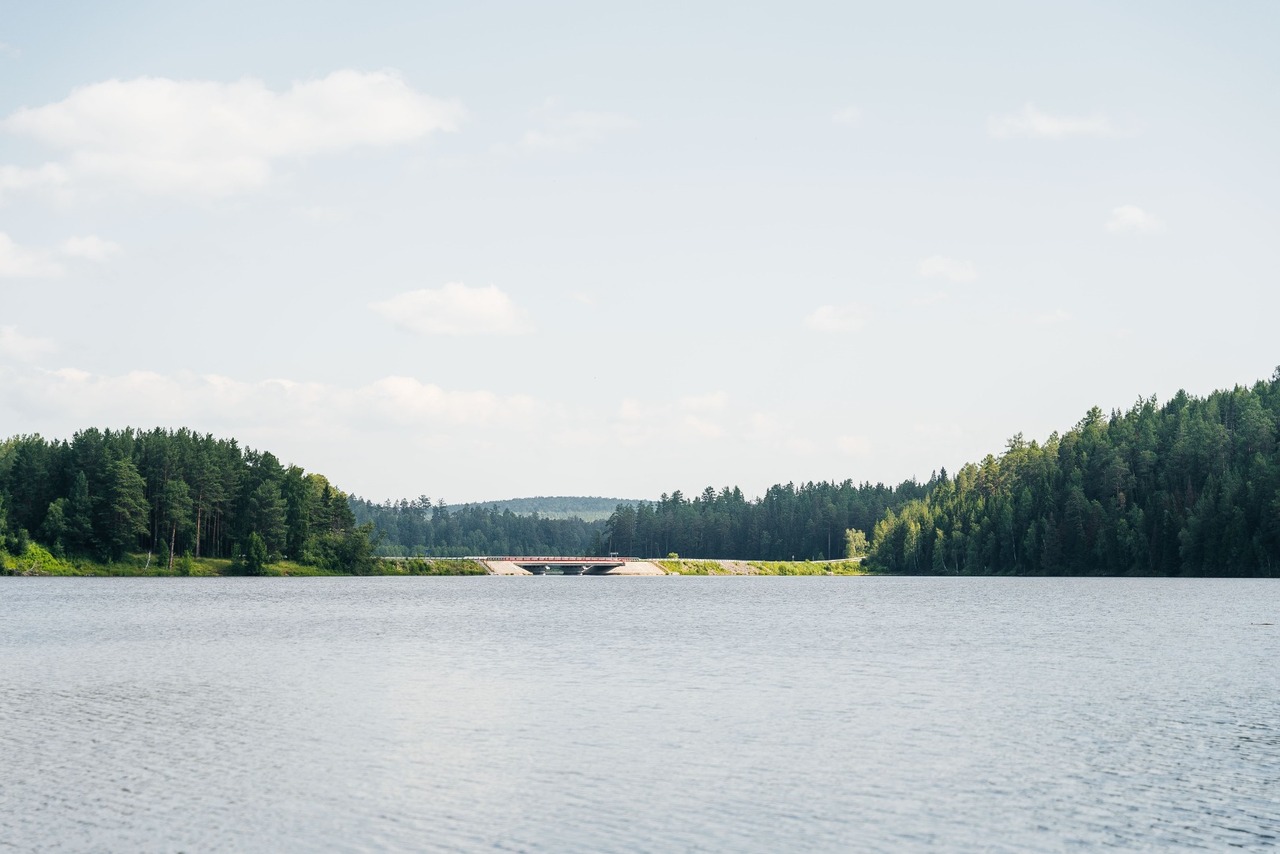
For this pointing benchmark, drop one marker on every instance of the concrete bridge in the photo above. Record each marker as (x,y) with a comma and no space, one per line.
(561,565)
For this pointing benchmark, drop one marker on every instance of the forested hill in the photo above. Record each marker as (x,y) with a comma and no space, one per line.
(589,508)
(787,522)
(809,521)
(418,527)
(1188,488)
(108,493)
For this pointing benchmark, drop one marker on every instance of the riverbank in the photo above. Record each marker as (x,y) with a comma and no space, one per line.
(37,561)
(677,566)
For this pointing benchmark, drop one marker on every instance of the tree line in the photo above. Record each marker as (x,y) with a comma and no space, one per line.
(788,522)
(1188,488)
(1191,487)
(108,493)
(809,521)
(418,528)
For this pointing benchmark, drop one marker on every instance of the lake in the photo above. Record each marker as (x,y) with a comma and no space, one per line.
(639,714)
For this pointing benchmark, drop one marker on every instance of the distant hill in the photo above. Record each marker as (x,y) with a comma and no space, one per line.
(589,509)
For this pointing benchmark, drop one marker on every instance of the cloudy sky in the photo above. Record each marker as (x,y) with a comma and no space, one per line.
(480,250)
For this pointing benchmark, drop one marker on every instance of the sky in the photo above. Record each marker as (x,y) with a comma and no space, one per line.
(484,250)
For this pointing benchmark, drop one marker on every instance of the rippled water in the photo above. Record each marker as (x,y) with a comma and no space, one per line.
(620,714)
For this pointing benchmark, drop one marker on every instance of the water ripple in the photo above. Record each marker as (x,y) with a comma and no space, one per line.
(576,714)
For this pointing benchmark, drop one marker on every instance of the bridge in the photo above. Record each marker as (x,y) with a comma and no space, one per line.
(562,565)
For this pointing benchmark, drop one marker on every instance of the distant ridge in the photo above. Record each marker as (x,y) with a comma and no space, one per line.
(587,508)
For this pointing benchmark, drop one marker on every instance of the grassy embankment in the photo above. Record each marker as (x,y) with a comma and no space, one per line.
(38,561)
(762,567)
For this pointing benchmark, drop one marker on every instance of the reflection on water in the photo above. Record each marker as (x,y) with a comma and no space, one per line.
(553,714)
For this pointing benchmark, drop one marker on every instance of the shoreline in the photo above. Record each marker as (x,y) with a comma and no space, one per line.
(37,562)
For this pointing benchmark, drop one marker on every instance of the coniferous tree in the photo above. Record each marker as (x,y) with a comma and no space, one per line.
(1189,488)
(267,516)
(124,511)
(78,535)
(174,513)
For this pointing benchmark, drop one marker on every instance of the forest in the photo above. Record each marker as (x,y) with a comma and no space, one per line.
(106,494)
(1191,487)
(418,528)
(809,521)
(558,507)
(1188,488)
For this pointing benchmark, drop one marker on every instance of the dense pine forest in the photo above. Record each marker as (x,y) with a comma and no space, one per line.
(592,509)
(789,522)
(1188,488)
(809,521)
(109,493)
(420,528)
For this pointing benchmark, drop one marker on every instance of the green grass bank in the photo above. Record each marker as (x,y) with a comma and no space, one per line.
(38,561)
(677,566)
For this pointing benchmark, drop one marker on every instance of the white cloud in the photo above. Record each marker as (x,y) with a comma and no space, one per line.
(853,446)
(837,318)
(18,178)
(321,213)
(410,399)
(184,397)
(847,116)
(631,409)
(801,446)
(20,262)
(948,268)
(404,428)
(716,401)
(1131,219)
(702,427)
(216,139)
(699,411)
(1052,318)
(763,426)
(691,418)
(575,131)
(938,430)
(284,407)
(931,298)
(1031,122)
(90,247)
(18,346)
(454,309)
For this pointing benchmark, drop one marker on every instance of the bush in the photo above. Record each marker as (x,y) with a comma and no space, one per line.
(255,555)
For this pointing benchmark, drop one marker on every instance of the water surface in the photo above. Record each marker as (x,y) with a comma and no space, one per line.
(639,714)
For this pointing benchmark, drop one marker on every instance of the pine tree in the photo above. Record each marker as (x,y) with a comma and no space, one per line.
(124,513)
